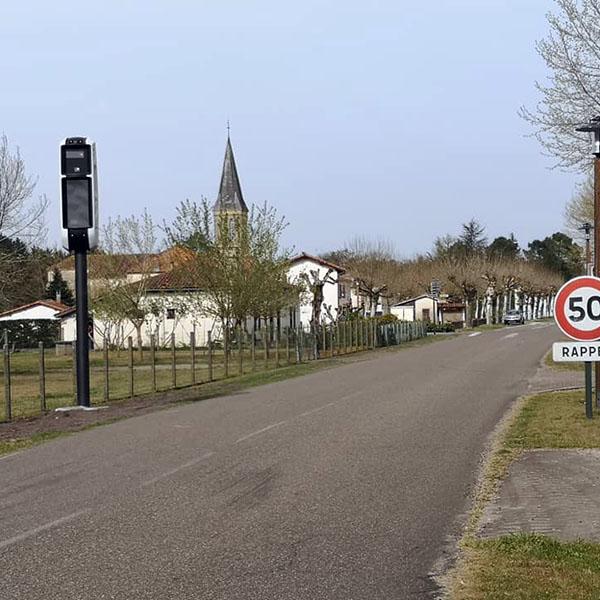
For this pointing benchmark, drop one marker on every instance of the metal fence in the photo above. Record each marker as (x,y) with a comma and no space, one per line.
(39,380)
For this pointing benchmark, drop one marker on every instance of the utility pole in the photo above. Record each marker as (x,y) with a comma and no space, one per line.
(593,127)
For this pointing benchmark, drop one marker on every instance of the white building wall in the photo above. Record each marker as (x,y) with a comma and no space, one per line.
(330,290)
(162,327)
(186,321)
(422,304)
(403,313)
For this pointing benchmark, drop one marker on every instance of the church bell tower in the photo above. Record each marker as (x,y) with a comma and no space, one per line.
(230,210)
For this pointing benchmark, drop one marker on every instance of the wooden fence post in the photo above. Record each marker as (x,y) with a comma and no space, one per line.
(210,356)
(173,362)
(277,365)
(266,345)
(346,342)
(193,355)
(42,378)
(105,370)
(240,351)
(331,339)
(74,370)
(7,389)
(153,361)
(253,345)
(130,364)
(226,350)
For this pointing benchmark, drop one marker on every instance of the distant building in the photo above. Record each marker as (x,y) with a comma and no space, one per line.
(453,312)
(44,310)
(420,308)
(306,264)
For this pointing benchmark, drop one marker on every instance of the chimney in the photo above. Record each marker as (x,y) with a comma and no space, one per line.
(58,296)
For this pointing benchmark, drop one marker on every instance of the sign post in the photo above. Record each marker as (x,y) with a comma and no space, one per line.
(79,216)
(577,313)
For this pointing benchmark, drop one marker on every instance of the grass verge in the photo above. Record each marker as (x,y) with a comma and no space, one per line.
(563,366)
(529,566)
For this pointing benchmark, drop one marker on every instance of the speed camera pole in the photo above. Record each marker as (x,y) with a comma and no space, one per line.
(82,344)
(79,211)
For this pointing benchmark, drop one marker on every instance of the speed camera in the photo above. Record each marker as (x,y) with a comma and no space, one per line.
(79,194)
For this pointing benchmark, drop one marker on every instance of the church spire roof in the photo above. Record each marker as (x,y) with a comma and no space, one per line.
(230,197)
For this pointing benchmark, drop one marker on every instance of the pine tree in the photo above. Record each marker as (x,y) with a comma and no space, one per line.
(58,284)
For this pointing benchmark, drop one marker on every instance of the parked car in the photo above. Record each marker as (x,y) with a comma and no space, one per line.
(513,317)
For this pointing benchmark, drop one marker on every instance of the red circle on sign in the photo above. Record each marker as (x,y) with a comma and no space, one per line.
(559,308)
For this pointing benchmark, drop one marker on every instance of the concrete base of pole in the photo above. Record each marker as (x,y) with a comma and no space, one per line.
(64,409)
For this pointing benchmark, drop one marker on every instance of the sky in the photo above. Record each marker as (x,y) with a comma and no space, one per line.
(388,119)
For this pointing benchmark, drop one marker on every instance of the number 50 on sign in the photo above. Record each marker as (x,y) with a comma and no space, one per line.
(577,308)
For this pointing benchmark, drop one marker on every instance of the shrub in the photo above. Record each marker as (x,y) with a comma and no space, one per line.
(27,333)
(440,327)
(387,319)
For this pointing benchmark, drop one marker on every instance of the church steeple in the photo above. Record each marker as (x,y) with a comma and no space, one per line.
(230,200)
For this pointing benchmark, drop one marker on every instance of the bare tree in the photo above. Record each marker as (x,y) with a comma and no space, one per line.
(242,271)
(20,215)
(129,261)
(315,283)
(372,265)
(571,51)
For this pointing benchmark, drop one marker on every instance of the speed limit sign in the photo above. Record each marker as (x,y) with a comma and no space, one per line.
(577,308)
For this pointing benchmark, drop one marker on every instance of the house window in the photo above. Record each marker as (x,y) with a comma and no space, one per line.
(170,313)
(342,289)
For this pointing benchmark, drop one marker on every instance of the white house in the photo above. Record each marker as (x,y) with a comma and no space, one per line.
(45,310)
(175,307)
(310,267)
(420,308)
(172,308)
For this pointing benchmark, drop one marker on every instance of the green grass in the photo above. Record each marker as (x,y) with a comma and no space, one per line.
(530,566)
(489,327)
(554,420)
(8,446)
(60,388)
(563,366)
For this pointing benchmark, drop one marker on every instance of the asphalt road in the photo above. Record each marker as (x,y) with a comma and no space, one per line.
(343,484)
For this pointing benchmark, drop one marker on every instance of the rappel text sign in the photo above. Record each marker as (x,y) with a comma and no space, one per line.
(576,351)
(577,309)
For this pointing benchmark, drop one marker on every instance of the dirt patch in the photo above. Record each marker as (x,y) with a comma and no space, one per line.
(53,422)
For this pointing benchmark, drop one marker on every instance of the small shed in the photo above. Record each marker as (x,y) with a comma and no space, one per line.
(421,308)
(453,312)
